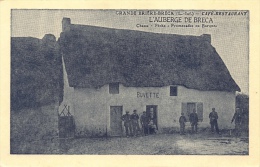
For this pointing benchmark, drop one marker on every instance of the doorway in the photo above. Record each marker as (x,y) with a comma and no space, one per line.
(152,113)
(115,120)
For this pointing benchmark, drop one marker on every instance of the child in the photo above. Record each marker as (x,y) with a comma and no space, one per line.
(182,121)
(152,127)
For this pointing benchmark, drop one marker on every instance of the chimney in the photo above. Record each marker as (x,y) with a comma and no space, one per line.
(206,37)
(65,24)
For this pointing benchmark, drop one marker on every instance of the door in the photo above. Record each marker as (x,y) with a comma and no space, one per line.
(66,123)
(115,120)
(152,113)
(190,108)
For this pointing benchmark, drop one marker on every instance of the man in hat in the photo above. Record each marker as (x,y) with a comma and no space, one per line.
(135,122)
(238,120)
(144,122)
(194,121)
(127,123)
(213,116)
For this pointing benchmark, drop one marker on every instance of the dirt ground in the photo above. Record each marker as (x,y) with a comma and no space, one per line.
(158,144)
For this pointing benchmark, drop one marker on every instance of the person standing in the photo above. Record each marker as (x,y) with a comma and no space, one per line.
(238,120)
(194,121)
(135,122)
(144,122)
(127,123)
(182,121)
(213,116)
(151,114)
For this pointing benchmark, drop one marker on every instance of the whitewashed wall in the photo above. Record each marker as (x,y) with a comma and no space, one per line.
(92,106)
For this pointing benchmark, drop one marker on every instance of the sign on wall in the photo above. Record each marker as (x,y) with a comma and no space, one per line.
(147,95)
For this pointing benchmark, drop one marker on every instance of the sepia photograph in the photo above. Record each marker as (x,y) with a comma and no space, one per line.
(129,82)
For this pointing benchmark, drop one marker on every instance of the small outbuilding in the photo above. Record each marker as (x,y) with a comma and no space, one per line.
(112,71)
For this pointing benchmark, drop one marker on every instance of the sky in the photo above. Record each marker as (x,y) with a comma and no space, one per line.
(229,36)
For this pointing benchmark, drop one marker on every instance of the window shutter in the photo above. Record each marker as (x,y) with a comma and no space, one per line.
(200,111)
(184,110)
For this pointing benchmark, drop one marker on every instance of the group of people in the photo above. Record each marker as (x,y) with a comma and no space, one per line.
(193,118)
(149,122)
(131,124)
(213,116)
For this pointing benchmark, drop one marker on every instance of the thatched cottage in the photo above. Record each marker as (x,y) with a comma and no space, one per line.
(116,70)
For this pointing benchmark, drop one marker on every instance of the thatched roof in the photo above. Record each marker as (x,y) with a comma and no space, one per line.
(95,56)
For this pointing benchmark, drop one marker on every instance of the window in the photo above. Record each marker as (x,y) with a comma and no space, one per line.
(114,88)
(173,90)
(187,109)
